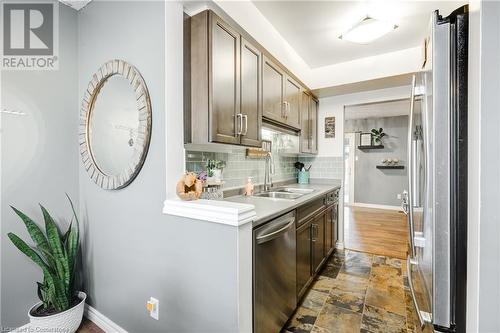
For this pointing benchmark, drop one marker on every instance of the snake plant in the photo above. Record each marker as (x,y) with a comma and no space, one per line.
(55,253)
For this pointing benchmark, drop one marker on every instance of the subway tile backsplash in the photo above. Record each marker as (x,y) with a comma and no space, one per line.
(239,167)
(324,166)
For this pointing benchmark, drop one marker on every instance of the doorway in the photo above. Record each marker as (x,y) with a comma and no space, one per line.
(375,177)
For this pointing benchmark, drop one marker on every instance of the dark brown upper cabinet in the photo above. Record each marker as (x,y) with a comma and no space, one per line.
(309,123)
(281,95)
(225,122)
(314,125)
(292,103)
(226,94)
(232,84)
(251,94)
(272,90)
(305,117)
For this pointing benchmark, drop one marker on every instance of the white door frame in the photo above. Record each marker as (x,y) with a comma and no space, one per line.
(350,171)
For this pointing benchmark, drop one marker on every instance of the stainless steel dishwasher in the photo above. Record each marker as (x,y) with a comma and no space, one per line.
(274,274)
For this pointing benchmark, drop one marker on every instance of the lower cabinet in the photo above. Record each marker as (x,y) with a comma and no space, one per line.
(316,236)
(311,252)
(304,272)
(331,228)
(318,241)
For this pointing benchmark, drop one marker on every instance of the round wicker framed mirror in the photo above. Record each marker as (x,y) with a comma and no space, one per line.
(115,125)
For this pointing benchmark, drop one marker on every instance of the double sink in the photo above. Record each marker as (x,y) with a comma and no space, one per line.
(289,193)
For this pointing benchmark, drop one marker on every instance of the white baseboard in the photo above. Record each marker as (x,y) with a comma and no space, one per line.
(367,205)
(104,323)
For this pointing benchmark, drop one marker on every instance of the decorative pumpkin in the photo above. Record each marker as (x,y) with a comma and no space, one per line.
(189,187)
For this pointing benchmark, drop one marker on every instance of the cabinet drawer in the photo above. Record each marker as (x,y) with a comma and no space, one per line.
(310,209)
(332,197)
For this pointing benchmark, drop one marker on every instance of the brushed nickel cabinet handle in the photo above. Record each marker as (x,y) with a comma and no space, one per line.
(245,117)
(239,124)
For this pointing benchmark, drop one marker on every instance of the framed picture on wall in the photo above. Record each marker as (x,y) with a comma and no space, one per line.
(365,139)
(329,127)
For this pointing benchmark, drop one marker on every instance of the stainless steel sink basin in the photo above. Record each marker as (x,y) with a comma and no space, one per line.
(295,190)
(279,195)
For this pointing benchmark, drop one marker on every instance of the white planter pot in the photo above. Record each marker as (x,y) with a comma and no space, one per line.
(67,321)
(217,175)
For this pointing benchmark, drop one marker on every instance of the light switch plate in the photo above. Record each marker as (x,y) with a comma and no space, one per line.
(156,308)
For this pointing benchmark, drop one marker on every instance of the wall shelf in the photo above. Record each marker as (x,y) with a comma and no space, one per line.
(371,147)
(390,166)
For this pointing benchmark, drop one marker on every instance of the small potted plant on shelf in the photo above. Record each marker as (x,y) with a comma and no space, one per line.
(214,170)
(377,136)
(61,303)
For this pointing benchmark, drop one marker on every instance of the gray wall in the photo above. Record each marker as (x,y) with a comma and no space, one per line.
(132,250)
(39,161)
(377,186)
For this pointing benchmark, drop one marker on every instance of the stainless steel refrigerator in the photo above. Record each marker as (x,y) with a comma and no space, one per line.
(436,201)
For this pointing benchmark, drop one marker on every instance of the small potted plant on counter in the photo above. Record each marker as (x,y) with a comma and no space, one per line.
(61,304)
(214,170)
(377,136)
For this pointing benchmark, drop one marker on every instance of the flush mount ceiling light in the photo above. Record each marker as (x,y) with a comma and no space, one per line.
(367,30)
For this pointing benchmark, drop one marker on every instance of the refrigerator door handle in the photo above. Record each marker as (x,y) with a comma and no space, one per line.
(411,227)
(423,317)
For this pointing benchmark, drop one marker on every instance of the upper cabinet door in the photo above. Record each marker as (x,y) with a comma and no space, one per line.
(225,120)
(292,103)
(314,125)
(272,90)
(251,94)
(305,133)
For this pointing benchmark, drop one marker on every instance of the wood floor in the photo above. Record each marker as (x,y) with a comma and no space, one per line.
(376,231)
(89,327)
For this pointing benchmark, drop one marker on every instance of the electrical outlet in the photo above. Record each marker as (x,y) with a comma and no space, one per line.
(153,306)
(399,196)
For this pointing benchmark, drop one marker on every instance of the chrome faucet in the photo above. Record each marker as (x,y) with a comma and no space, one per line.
(269,170)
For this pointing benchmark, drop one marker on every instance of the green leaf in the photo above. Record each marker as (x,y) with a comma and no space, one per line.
(374,131)
(55,286)
(54,239)
(380,130)
(43,294)
(28,251)
(35,232)
(64,238)
(72,244)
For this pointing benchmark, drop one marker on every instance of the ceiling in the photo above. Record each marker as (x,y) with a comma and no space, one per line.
(378,110)
(369,85)
(312,27)
(75,4)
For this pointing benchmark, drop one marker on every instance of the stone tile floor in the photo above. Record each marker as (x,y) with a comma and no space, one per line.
(357,292)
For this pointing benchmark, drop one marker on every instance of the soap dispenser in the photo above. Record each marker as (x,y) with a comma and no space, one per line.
(249,187)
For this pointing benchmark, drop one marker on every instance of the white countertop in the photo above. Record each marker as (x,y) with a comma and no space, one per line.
(239,210)
(268,208)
